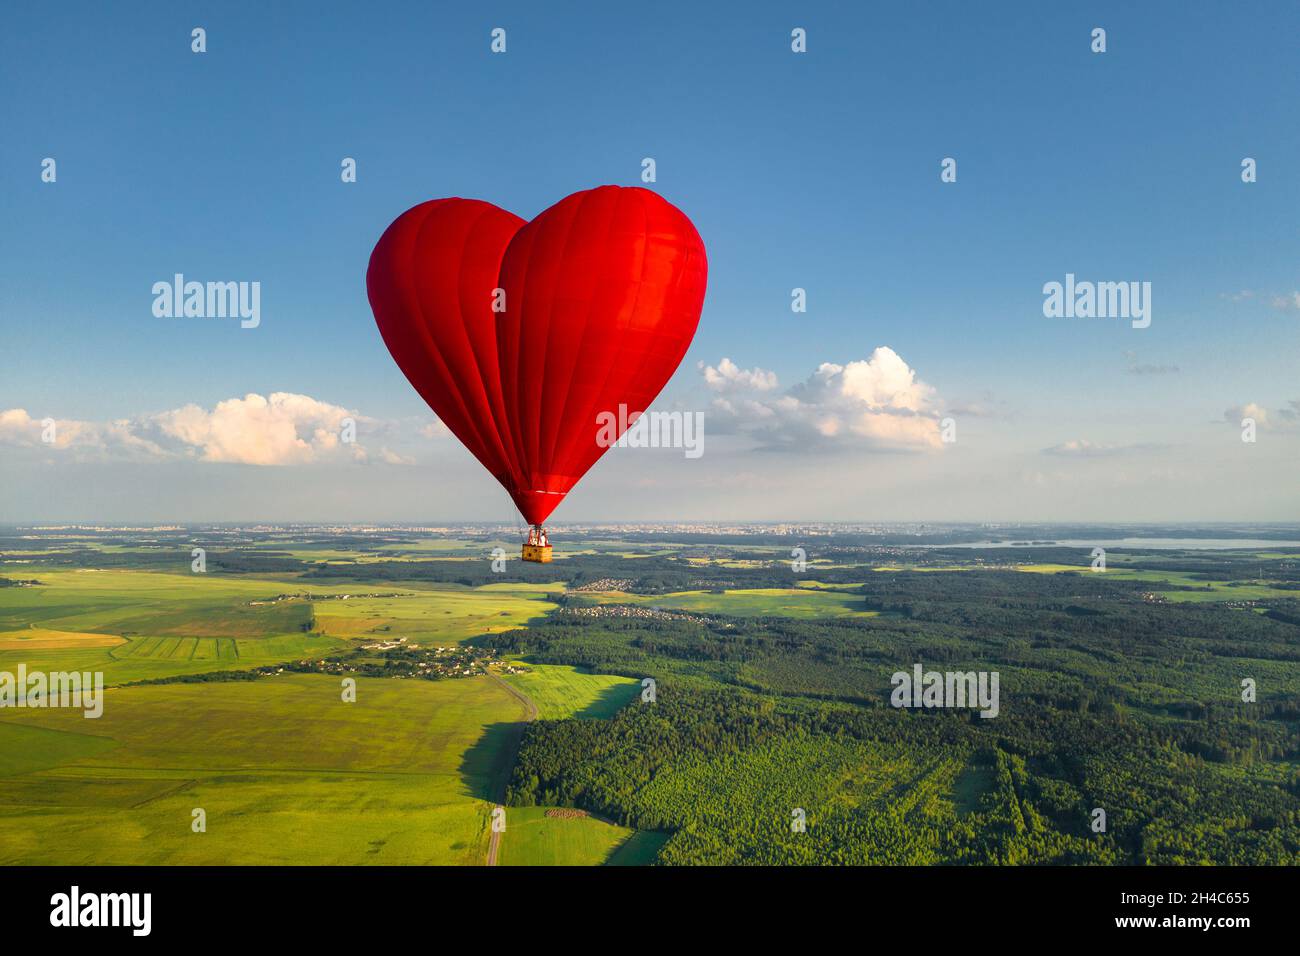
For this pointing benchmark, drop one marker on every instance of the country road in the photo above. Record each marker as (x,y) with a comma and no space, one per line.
(530,713)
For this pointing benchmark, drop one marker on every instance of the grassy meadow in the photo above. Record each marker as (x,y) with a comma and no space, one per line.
(559,691)
(752,602)
(284,769)
(533,838)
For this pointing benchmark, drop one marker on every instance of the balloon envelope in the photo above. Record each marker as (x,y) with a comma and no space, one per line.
(524,336)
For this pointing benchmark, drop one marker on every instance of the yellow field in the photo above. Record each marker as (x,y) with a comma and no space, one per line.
(33,638)
(443,615)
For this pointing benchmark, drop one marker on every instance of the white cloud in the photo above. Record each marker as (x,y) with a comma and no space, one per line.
(727,376)
(280,429)
(1284,419)
(390,457)
(874,403)
(283,429)
(19,429)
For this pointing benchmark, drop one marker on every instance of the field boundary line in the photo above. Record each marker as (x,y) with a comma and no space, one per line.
(499,797)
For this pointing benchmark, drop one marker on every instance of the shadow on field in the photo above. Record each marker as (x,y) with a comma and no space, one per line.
(485,767)
(611,700)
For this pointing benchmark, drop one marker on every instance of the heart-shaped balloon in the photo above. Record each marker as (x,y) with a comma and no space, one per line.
(525,337)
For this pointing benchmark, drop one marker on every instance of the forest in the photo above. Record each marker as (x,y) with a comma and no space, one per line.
(1123,736)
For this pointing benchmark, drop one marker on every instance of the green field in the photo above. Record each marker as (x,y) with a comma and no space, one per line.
(640,849)
(284,769)
(1229,591)
(561,691)
(286,772)
(140,625)
(441,615)
(754,602)
(1205,590)
(534,839)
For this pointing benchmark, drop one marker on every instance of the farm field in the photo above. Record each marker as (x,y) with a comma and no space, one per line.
(562,838)
(444,615)
(753,602)
(286,772)
(266,759)
(144,625)
(42,638)
(559,691)
(1175,583)
(533,838)
(1205,589)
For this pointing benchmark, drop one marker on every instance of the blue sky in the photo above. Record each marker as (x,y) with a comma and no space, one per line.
(816,170)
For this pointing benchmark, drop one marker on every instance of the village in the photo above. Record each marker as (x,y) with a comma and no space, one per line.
(399,659)
(634,611)
(309,596)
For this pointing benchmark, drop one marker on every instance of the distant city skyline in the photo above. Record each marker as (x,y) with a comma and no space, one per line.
(924,382)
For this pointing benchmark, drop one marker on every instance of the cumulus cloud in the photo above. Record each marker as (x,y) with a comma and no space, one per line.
(1287,303)
(19,429)
(874,403)
(1282,419)
(282,428)
(727,376)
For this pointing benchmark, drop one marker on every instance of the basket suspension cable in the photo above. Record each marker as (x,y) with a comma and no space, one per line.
(515,519)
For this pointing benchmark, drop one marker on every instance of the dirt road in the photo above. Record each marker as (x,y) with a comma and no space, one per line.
(512,748)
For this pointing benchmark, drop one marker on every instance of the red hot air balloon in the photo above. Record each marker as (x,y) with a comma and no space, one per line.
(521,335)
